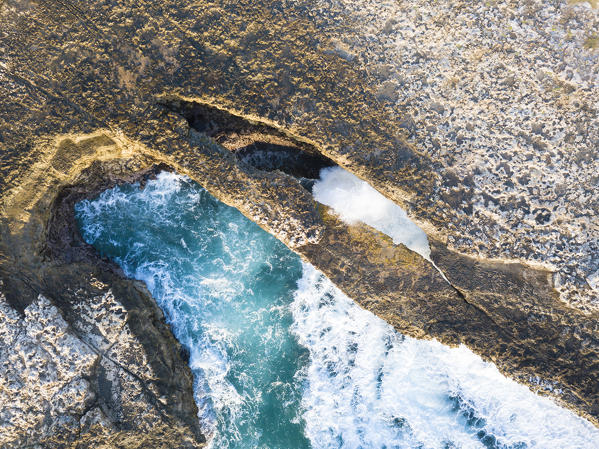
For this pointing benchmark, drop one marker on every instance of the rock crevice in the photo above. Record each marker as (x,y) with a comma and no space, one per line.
(477,118)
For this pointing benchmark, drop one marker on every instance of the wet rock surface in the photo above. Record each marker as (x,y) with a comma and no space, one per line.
(497,163)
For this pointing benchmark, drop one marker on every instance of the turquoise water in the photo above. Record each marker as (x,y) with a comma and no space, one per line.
(282,359)
(225,286)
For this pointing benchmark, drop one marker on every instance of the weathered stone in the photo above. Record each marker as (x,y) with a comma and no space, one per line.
(86,357)
(505,172)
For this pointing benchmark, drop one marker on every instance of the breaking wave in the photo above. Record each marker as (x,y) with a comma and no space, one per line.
(283,359)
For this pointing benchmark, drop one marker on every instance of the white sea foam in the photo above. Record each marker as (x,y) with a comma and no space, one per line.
(355,200)
(208,359)
(213,393)
(369,387)
(366,386)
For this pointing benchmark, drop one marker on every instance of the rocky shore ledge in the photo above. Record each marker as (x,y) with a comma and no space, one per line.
(95,93)
(86,359)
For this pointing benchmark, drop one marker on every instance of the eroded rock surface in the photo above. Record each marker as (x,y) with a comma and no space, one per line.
(486,135)
(89,383)
(503,97)
(44,388)
(86,358)
(498,101)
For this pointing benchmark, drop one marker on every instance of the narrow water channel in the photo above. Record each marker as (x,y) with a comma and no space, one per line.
(283,360)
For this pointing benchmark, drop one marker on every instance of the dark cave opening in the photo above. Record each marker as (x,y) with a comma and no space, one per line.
(258,144)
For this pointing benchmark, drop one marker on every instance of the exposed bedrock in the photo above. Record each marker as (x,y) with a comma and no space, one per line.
(479,119)
(86,358)
(505,312)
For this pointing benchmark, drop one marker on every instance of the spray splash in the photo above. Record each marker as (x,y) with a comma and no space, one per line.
(356,200)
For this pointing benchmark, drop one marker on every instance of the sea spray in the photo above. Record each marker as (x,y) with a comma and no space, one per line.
(370,387)
(356,200)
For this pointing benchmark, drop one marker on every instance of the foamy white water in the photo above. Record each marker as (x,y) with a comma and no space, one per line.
(356,200)
(369,387)
(284,360)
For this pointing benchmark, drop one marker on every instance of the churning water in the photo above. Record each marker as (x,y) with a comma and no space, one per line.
(283,360)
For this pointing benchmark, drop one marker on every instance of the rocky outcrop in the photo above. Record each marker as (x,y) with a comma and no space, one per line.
(86,359)
(504,312)
(88,384)
(428,102)
(520,323)
(496,101)
(45,392)
(502,96)
(90,345)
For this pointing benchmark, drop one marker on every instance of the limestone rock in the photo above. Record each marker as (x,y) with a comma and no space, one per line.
(479,118)
(44,372)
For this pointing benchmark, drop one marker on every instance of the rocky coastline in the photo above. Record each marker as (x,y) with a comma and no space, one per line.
(91,98)
(87,357)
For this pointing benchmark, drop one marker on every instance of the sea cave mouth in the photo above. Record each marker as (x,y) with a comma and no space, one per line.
(349,380)
(255,143)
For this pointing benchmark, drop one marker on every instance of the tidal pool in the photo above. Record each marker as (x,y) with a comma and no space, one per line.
(284,360)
